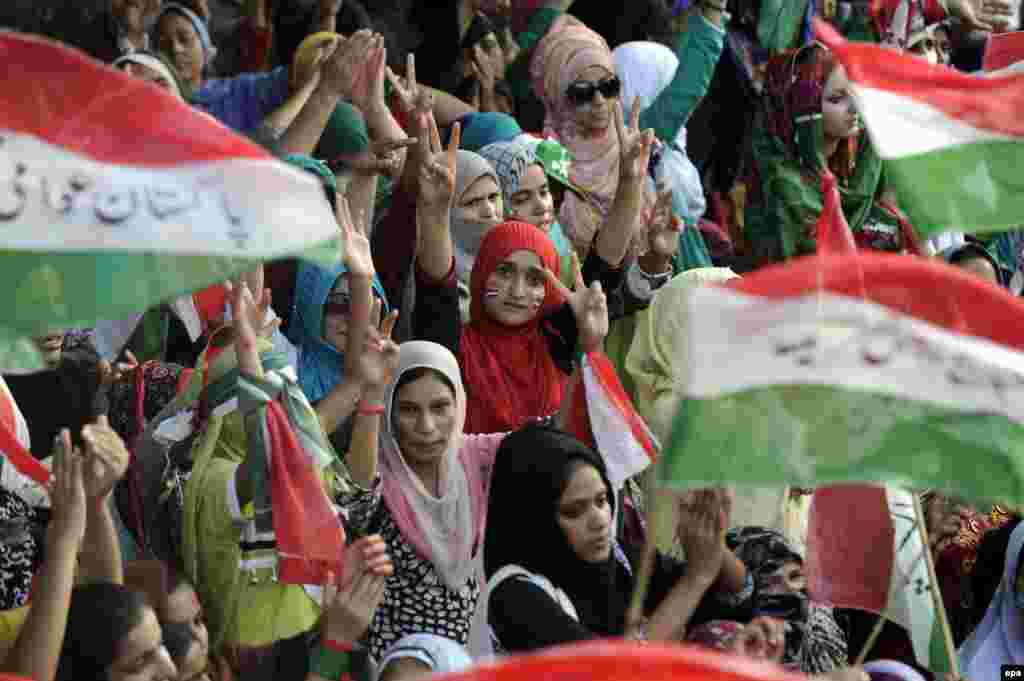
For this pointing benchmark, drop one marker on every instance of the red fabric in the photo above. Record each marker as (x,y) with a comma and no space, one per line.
(992,104)
(253,47)
(310,539)
(15,452)
(956,300)
(1003,49)
(834,236)
(100,112)
(618,659)
(210,303)
(907,235)
(509,374)
(844,520)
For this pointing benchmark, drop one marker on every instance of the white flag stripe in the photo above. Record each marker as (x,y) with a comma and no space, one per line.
(237,208)
(739,342)
(902,126)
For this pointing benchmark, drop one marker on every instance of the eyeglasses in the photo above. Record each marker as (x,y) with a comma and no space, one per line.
(582,91)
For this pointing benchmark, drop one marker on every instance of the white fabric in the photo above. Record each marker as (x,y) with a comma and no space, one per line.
(440,654)
(623,454)
(10,477)
(910,602)
(944,242)
(646,69)
(999,639)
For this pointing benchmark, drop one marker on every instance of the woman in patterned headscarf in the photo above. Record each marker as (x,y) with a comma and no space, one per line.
(815,643)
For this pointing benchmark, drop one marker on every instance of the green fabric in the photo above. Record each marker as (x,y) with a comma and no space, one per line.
(318,169)
(779,23)
(974,187)
(792,197)
(698,50)
(808,435)
(517,74)
(247,608)
(693,252)
(344,135)
(149,339)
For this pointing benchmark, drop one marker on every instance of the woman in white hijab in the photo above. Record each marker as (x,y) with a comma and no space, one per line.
(419,656)
(999,639)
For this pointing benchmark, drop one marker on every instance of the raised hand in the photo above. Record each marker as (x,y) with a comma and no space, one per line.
(358,257)
(340,73)
(67,497)
(378,362)
(348,606)
(367,92)
(703,521)
(590,307)
(106,459)
(664,227)
(634,146)
(307,72)
(381,158)
(486,68)
(245,312)
(438,165)
(414,100)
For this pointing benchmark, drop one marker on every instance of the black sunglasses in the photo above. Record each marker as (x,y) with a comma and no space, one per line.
(582,91)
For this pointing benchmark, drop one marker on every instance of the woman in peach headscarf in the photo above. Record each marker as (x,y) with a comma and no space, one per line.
(574,75)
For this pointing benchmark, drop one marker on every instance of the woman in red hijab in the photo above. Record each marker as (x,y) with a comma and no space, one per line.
(518,349)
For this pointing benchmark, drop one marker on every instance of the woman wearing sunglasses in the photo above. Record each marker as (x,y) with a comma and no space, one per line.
(574,75)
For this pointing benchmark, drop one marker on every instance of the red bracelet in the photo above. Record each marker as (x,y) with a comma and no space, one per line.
(370,408)
(338,646)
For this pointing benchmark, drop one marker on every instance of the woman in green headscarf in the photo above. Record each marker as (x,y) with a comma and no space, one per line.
(808,125)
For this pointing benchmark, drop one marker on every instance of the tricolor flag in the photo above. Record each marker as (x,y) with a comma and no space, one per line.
(115,196)
(868,367)
(951,141)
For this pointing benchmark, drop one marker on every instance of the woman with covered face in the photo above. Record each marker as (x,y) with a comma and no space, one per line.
(809,126)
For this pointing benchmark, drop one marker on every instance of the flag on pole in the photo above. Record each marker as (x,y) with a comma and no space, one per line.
(872,367)
(895,583)
(951,141)
(115,196)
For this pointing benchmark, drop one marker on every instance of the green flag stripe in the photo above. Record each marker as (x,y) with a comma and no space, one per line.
(975,187)
(810,435)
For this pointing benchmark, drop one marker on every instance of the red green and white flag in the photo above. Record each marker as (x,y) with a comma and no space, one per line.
(114,196)
(952,142)
(868,367)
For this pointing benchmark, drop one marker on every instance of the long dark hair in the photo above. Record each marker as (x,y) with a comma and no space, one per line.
(100,616)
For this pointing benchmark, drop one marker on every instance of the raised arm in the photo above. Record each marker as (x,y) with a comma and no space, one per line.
(415,100)
(368,96)
(37,650)
(698,49)
(435,252)
(612,242)
(106,460)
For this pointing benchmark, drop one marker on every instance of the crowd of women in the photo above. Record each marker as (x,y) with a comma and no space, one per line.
(517,184)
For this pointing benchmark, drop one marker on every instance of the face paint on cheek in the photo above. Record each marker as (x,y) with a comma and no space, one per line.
(491,293)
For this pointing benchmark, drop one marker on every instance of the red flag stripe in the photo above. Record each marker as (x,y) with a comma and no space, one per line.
(67,99)
(621,660)
(992,104)
(919,287)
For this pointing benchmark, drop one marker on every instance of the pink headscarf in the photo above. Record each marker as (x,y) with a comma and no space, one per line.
(559,58)
(445,529)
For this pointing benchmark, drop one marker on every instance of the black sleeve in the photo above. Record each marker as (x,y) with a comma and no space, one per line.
(613,283)
(525,618)
(560,330)
(436,315)
(668,571)
(279,276)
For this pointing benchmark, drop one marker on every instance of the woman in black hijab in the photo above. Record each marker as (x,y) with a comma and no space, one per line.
(555,573)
